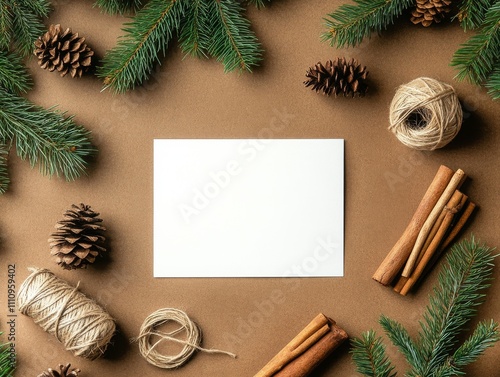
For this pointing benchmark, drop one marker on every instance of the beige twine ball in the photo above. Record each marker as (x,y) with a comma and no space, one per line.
(425,114)
(150,337)
(78,322)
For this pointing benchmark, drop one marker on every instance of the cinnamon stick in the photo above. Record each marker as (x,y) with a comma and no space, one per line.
(398,255)
(451,208)
(311,339)
(402,279)
(304,365)
(454,183)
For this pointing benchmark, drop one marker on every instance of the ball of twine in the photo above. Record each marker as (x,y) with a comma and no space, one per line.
(425,114)
(78,322)
(192,341)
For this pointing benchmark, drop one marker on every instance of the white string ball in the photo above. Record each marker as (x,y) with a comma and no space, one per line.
(425,114)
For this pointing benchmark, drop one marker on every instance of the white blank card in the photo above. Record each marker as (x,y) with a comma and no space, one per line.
(248,207)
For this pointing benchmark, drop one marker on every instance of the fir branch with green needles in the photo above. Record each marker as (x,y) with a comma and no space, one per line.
(45,137)
(21,24)
(350,24)
(472,12)
(477,58)
(6,367)
(493,84)
(118,6)
(13,75)
(233,43)
(460,290)
(205,27)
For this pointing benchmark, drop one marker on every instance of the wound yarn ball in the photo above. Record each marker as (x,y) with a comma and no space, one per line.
(78,322)
(425,114)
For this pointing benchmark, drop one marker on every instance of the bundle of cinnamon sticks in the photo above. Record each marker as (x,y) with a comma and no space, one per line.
(307,350)
(440,216)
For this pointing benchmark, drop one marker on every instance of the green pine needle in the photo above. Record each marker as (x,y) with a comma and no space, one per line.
(118,6)
(44,137)
(13,75)
(131,62)
(350,24)
(193,40)
(258,3)
(493,84)
(6,368)
(4,174)
(472,12)
(25,24)
(368,353)
(454,302)
(477,57)
(233,42)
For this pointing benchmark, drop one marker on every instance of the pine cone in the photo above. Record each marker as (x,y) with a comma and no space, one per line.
(78,239)
(63,51)
(428,11)
(339,77)
(63,373)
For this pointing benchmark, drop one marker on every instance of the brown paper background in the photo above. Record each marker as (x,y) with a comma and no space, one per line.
(194,99)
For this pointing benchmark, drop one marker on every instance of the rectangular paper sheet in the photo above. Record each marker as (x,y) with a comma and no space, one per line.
(248,207)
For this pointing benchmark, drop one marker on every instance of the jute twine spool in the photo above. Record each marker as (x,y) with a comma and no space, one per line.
(78,322)
(425,114)
(192,341)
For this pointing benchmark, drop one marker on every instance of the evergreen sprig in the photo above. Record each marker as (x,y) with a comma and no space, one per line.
(204,27)
(21,24)
(477,58)
(493,83)
(13,75)
(472,12)
(460,290)
(232,42)
(44,136)
(118,6)
(350,24)
(130,63)
(368,353)
(6,367)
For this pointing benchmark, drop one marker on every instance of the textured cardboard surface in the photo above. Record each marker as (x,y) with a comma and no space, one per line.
(189,98)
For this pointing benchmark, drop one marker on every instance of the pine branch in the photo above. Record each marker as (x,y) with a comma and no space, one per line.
(5,27)
(454,303)
(368,353)
(350,24)
(477,57)
(26,27)
(493,83)
(4,174)
(472,12)
(194,37)
(41,8)
(401,339)
(233,43)
(130,63)
(118,6)
(44,137)
(13,75)
(485,336)
(6,368)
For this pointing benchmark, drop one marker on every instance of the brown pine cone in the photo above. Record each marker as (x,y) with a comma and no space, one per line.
(428,11)
(64,372)
(341,77)
(78,239)
(63,51)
